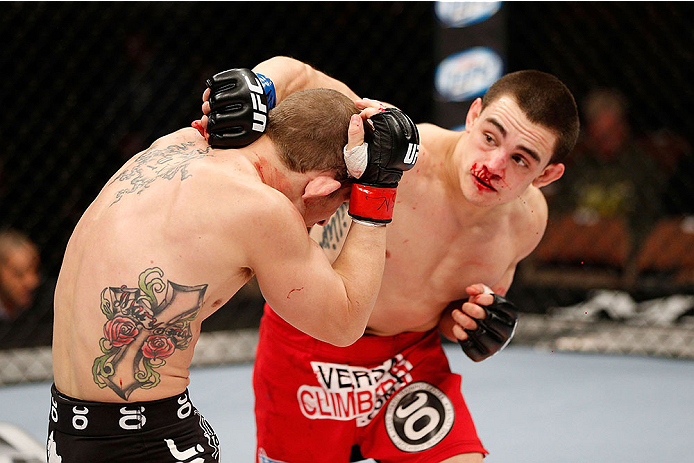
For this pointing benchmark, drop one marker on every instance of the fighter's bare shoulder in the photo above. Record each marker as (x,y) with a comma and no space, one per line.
(436,137)
(225,188)
(266,217)
(184,139)
(251,202)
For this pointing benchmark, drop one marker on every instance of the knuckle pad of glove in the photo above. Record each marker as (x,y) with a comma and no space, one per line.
(474,349)
(224,93)
(229,133)
(224,78)
(493,332)
(389,144)
(238,106)
(236,117)
(394,132)
(504,311)
(221,99)
(218,101)
(230,88)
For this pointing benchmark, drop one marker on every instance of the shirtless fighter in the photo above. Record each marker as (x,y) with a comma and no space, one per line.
(176,232)
(469,214)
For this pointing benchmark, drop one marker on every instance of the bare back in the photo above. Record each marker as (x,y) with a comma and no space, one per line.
(437,245)
(137,280)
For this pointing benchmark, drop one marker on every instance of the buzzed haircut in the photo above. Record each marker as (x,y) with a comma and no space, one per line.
(546,101)
(309,129)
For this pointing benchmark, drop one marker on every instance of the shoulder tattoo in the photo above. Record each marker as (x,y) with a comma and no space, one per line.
(157,163)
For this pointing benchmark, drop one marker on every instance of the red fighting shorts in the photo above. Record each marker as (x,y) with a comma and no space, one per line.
(393,398)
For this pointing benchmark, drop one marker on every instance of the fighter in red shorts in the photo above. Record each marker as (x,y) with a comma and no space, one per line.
(468,214)
(392,398)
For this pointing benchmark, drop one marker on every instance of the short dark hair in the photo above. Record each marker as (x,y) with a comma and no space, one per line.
(309,130)
(545,100)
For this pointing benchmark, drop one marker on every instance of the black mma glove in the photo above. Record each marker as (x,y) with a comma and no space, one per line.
(494,332)
(393,145)
(239,104)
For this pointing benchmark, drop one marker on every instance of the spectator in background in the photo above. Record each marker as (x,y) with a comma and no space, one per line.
(610,196)
(612,208)
(666,254)
(26,296)
(611,174)
(19,273)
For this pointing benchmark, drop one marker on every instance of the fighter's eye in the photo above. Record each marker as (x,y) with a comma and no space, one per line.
(520,160)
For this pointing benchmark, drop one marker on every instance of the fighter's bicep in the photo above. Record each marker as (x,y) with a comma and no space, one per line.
(292,271)
(289,75)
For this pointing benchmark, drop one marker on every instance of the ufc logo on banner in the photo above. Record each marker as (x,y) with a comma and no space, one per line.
(259,109)
(412,152)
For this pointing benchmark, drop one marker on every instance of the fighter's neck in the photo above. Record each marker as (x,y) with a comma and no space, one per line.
(270,169)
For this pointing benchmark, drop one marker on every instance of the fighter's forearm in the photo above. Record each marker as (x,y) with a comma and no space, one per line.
(360,265)
(290,75)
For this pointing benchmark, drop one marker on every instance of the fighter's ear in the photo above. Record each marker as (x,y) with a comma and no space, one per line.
(321,185)
(473,113)
(551,173)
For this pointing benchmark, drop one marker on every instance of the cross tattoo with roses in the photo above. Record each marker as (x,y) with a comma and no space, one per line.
(142,330)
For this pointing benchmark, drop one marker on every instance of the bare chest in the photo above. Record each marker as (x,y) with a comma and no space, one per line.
(439,260)
(431,258)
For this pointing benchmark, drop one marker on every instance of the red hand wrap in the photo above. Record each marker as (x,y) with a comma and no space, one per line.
(372,203)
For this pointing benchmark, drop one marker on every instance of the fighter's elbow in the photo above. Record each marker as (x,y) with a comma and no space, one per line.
(345,332)
(344,338)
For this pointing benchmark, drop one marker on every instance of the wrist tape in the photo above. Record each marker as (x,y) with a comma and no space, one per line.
(372,203)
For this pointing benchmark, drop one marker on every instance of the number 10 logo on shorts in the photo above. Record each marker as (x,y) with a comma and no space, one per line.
(418,417)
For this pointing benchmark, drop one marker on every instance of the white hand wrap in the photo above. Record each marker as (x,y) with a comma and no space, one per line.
(356,159)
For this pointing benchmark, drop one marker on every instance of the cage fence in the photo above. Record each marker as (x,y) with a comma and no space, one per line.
(88,84)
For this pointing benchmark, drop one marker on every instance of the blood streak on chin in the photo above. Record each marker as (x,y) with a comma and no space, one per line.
(295,289)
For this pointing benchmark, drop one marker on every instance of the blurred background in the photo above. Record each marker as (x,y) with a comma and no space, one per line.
(86,85)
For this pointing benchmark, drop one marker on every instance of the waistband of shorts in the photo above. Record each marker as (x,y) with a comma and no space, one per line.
(367,348)
(84,418)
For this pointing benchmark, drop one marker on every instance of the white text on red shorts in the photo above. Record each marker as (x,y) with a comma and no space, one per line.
(349,392)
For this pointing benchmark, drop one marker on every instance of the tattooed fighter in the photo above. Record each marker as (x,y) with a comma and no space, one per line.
(179,229)
(471,212)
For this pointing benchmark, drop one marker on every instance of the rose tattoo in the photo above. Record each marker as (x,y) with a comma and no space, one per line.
(145,326)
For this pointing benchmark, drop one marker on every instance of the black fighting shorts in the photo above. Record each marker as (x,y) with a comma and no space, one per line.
(166,430)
